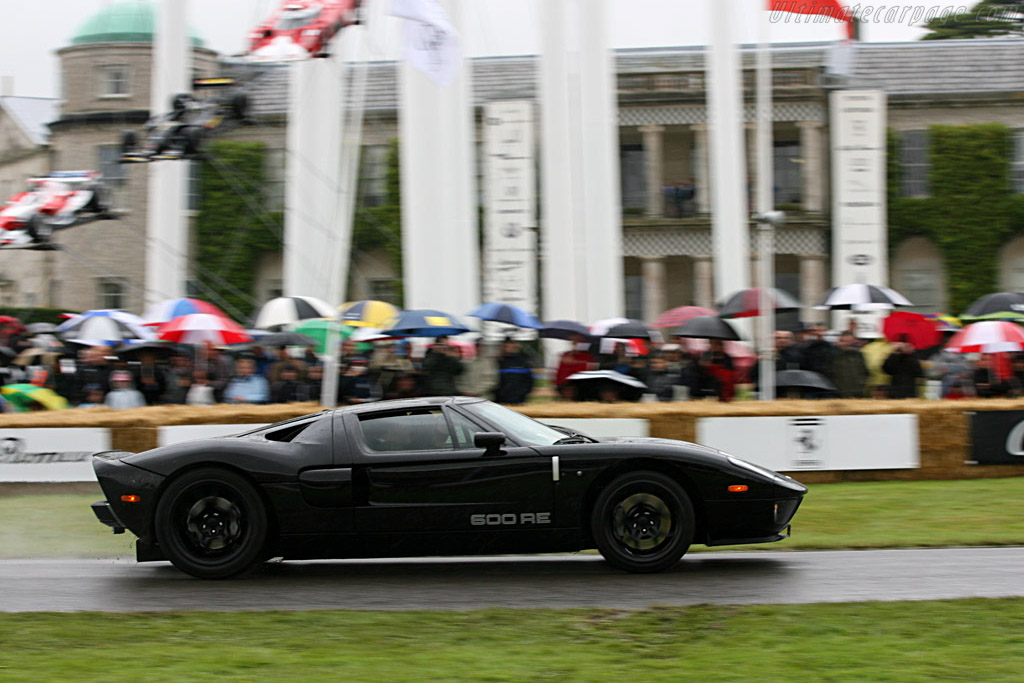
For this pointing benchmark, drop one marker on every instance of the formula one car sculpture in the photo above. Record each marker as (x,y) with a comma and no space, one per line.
(300,29)
(179,134)
(57,201)
(434,476)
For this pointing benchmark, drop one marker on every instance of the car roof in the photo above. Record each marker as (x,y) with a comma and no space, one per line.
(401,403)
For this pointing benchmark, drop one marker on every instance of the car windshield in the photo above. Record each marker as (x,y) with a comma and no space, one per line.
(293,18)
(523,429)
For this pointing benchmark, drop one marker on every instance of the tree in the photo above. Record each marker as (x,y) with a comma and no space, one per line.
(987,19)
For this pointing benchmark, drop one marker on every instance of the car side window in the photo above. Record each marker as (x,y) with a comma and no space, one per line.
(421,430)
(464,431)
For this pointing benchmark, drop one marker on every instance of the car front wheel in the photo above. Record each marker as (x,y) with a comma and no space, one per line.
(642,522)
(211,523)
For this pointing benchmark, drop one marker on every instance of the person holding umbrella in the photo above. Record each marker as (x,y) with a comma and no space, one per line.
(715,375)
(442,364)
(905,369)
(515,374)
(576,359)
(849,372)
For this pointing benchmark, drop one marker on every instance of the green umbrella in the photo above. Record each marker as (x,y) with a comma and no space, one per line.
(25,397)
(318,330)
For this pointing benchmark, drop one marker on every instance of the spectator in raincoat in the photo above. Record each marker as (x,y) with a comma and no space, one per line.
(515,374)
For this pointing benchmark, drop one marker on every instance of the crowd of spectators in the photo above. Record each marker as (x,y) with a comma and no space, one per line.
(508,373)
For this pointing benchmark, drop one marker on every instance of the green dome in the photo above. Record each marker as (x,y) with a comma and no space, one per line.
(130,21)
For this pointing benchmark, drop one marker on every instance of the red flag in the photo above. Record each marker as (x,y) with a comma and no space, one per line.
(828,8)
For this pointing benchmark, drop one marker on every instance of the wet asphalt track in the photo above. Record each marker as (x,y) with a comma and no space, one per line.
(546,581)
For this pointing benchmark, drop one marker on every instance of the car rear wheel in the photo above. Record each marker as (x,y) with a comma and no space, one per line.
(642,522)
(211,523)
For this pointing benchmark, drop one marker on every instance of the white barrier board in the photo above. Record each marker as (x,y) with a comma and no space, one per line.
(830,442)
(50,454)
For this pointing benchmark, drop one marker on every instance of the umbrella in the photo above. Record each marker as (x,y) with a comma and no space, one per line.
(563,329)
(746,303)
(946,322)
(41,328)
(612,375)
(917,329)
(366,313)
(104,325)
(743,356)
(988,336)
(592,383)
(998,306)
(624,328)
(861,297)
(11,326)
(803,379)
(134,346)
(285,338)
(423,322)
(707,327)
(157,314)
(23,396)
(290,310)
(319,330)
(678,316)
(506,313)
(200,328)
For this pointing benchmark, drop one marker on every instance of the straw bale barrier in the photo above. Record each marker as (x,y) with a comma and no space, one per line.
(944,426)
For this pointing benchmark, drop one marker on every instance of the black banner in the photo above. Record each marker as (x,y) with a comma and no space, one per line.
(997,437)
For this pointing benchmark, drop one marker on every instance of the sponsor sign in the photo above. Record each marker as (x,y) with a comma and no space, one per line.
(829,442)
(510,219)
(858,167)
(997,437)
(50,454)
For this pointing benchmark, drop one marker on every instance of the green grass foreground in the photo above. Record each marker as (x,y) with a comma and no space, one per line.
(908,641)
(850,515)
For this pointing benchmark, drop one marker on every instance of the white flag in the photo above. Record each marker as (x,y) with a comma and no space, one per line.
(431,42)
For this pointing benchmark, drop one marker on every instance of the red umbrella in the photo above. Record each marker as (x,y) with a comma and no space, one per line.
(677,316)
(199,328)
(916,328)
(989,336)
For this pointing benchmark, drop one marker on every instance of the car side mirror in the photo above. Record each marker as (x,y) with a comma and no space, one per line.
(491,442)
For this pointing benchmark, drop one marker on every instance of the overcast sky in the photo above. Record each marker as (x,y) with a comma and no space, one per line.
(35,29)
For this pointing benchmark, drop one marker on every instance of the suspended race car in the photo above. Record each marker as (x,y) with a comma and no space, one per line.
(57,201)
(299,29)
(179,134)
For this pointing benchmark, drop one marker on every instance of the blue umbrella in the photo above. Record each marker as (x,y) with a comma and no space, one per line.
(506,313)
(423,322)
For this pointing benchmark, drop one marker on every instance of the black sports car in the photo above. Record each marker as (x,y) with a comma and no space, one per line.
(434,476)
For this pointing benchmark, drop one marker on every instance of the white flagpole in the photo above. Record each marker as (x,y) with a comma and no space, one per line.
(765,204)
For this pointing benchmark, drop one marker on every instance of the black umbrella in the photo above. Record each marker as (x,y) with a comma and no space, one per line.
(803,379)
(563,329)
(157,346)
(623,328)
(592,383)
(707,327)
(859,297)
(746,303)
(998,306)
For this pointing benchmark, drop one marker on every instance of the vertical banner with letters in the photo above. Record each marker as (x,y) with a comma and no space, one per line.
(859,230)
(510,219)
(997,437)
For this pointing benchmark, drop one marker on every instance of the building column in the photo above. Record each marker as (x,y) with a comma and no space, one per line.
(699,166)
(750,136)
(812,178)
(703,282)
(813,285)
(652,268)
(653,165)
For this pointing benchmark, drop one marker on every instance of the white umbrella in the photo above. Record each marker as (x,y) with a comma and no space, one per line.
(289,310)
(988,336)
(860,297)
(99,330)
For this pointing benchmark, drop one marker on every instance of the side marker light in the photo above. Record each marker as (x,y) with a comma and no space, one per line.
(130,498)
(738,488)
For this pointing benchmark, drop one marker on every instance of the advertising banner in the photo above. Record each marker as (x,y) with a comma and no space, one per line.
(50,454)
(997,437)
(820,442)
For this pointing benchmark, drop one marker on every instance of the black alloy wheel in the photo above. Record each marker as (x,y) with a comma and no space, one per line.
(212,523)
(642,522)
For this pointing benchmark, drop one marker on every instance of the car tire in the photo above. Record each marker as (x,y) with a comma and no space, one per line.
(39,229)
(129,142)
(642,522)
(191,139)
(212,523)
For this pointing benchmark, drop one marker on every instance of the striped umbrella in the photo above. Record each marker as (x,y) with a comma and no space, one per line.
(290,310)
(157,314)
(200,328)
(366,313)
(860,297)
(103,326)
(746,303)
(988,336)
(678,316)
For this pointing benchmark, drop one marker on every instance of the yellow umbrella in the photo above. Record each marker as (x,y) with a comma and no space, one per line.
(21,396)
(366,313)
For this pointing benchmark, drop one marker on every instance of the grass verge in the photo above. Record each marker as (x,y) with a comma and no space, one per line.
(921,641)
(849,515)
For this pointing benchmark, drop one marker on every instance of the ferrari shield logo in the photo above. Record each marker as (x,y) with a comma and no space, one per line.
(805,443)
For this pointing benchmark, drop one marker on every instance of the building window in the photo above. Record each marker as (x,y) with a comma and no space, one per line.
(374,178)
(634,285)
(634,182)
(787,168)
(1017,163)
(109,164)
(114,80)
(110,293)
(914,163)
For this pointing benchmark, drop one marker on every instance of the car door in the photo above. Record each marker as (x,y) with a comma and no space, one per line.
(417,470)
